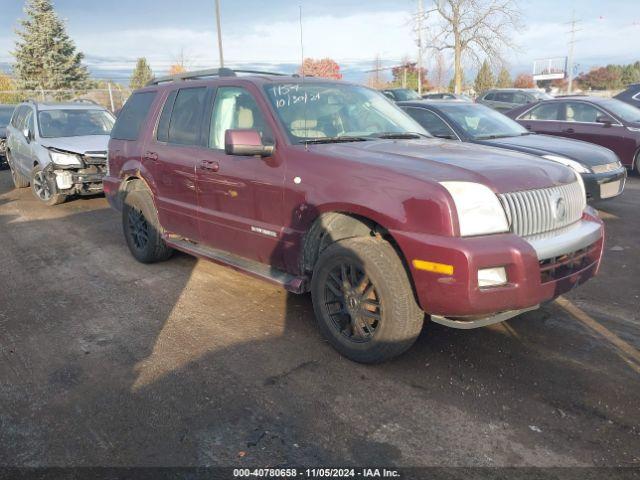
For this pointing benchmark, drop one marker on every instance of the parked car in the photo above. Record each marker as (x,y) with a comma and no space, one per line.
(453,97)
(60,149)
(5,118)
(607,122)
(503,99)
(601,170)
(400,94)
(631,95)
(328,187)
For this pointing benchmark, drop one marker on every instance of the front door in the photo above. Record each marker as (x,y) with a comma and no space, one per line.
(241,197)
(580,123)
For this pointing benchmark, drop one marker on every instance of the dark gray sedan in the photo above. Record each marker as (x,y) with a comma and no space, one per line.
(603,174)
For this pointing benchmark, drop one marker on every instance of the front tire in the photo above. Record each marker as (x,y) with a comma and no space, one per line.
(44,188)
(363,300)
(142,229)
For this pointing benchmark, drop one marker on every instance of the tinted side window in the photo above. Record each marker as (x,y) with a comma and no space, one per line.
(431,122)
(236,108)
(165,117)
(186,117)
(582,112)
(132,116)
(18,116)
(490,96)
(520,98)
(545,111)
(504,97)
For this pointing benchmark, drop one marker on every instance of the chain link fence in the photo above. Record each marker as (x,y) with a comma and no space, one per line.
(112,97)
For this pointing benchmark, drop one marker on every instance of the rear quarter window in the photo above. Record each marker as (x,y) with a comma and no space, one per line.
(132,116)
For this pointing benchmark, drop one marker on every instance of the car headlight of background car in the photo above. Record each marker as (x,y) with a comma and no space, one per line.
(479,209)
(578,167)
(65,159)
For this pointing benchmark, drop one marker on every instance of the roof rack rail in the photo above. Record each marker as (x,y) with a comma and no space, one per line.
(200,74)
(84,100)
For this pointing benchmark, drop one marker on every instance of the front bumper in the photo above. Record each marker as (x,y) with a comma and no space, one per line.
(538,269)
(83,181)
(601,186)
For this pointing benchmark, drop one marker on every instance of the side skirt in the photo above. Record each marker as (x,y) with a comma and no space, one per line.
(289,282)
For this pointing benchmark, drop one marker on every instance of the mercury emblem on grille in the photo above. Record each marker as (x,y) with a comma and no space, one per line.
(559,208)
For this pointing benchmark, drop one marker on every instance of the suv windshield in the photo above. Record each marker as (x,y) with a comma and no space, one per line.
(311,111)
(626,112)
(74,122)
(481,122)
(5,115)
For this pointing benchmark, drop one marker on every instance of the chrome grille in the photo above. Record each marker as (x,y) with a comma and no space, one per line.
(532,212)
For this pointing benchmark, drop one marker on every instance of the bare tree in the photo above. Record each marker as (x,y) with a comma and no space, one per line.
(472,29)
(439,71)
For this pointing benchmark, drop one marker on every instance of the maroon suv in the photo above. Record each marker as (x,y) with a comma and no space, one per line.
(328,187)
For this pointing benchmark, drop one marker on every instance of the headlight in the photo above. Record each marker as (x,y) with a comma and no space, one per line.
(65,159)
(578,167)
(479,210)
(633,129)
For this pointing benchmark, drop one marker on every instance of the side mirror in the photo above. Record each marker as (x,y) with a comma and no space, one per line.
(245,142)
(603,119)
(27,134)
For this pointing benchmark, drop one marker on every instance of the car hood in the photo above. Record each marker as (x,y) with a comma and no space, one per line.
(88,143)
(583,152)
(443,160)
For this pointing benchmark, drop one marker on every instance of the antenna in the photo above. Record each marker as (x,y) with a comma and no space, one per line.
(301,45)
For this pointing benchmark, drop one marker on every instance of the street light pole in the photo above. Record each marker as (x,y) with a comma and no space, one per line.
(219,33)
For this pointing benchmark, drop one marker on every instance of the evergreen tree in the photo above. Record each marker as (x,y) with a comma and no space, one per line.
(484,79)
(141,75)
(504,79)
(46,58)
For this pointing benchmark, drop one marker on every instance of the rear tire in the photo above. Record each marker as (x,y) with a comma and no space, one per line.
(44,188)
(142,229)
(363,300)
(19,181)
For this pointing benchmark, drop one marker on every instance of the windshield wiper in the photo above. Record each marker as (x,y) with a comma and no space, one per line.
(399,135)
(342,139)
(491,137)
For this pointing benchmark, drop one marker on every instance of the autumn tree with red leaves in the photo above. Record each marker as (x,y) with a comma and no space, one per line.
(323,68)
(524,81)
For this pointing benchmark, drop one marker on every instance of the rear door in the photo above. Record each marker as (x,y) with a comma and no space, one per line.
(241,197)
(20,148)
(543,118)
(172,154)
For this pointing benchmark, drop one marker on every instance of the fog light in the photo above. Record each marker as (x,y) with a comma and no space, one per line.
(492,277)
(64,180)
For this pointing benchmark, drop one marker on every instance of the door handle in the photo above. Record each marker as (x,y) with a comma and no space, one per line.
(153,156)
(569,130)
(210,165)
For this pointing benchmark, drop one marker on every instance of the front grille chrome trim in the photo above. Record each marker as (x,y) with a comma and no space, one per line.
(532,212)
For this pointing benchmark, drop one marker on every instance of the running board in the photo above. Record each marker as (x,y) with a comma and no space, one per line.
(290,282)
(478,322)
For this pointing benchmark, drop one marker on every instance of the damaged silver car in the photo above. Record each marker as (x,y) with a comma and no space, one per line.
(59,149)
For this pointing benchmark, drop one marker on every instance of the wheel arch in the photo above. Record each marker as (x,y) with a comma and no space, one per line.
(333,226)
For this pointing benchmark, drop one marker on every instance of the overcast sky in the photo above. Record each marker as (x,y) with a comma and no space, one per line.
(266,32)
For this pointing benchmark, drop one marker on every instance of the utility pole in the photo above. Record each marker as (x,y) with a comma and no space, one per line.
(572,41)
(419,31)
(219,33)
